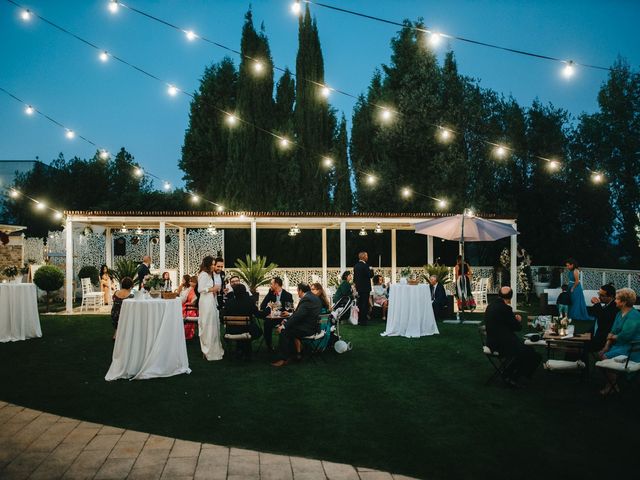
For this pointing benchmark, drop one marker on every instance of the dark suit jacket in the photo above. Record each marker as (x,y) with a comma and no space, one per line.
(240,306)
(143,271)
(362,276)
(220,295)
(501,324)
(605,316)
(438,296)
(271,297)
(304,321)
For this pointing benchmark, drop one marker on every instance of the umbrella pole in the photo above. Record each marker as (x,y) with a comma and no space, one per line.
(463,284)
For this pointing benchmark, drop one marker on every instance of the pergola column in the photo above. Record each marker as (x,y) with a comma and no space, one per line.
(429,249)
(324,257)
(393,256)
(180,253)
(343,246)
(254,249)
(163,246)
(108,247)
(68,279)
(514,270)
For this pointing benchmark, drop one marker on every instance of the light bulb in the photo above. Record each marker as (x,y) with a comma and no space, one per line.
(57,215)
(406,192)
(500,151)
(325,91)
(113,6)
(231,119)
(434,39)
(14,194)
(25,15)
(41,205)
(327,162)
(219,208)
(386,114)
(445,135)
(569,70)
(172,90)
(597,177)
(138,172)
(104,154)
(442,203)
(284,143)
(371,179)
(195,198)
(296,8)
(554,165)
(190,35)
(70,134)
(258,67)
(104,56)
(166,186)
(29,110)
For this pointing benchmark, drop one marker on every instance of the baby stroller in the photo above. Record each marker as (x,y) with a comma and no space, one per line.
(340,311)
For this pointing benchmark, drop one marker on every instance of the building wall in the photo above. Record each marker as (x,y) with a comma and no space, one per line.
(11,253)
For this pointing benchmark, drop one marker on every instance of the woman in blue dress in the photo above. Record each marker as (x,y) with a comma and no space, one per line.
(625,330)
(578,307)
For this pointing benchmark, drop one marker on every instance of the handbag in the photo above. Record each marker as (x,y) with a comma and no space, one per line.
(353,317)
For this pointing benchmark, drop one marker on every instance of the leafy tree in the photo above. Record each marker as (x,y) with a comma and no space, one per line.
(49,278)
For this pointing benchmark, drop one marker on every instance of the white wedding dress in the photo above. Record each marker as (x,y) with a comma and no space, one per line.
(209,319)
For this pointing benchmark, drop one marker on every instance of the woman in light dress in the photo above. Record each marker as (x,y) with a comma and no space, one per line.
(106,285)
(209,320)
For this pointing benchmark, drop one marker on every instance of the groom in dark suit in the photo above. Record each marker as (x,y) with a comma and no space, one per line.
(438,297)
(144,269)
(362,275)
(218,276)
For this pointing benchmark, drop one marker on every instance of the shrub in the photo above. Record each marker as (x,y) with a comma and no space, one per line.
(89,271)
(49,279)
(125,268)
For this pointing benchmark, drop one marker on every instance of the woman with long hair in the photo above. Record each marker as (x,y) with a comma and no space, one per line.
(318,291)
(106,285)
(209,317)
(578,307)
(190,298)
(463,285)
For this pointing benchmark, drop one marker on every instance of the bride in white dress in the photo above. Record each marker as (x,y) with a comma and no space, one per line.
(209,321)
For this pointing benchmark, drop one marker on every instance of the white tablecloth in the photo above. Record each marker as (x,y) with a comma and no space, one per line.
(149,341)
(19,318)
(410,312)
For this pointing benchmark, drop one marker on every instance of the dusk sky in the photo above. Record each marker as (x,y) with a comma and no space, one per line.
(115,106)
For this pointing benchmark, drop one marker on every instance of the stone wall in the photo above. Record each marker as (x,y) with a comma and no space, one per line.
(11,254)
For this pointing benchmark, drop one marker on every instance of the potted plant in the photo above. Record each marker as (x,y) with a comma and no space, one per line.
(154,284)
(91,272)
(543,280)
(125,268)
(11,273)
(405,273)
(440,271)
(49,278)
(253,272)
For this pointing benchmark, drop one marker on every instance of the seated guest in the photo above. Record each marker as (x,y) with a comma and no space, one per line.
(345,288)
(626,329)
(125,292)
(276,294)
(190,297)
(380,294)
(301,323)
(167,285)
(604,310)
(318,291)
(438,297)
(186,279)
(228,293)
(501,323)
(241,304)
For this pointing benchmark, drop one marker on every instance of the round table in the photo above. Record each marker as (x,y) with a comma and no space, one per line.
(150,340)
(410,312)
(19,317)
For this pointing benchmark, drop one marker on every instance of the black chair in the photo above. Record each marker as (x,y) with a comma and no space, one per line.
(500,363)
(239,324)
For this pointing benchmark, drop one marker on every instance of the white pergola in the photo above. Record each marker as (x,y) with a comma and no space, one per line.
(161,220)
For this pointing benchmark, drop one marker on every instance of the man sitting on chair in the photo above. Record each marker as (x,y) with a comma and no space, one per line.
(241,304)
(605,310)
(438,297)
(302,323)
(276,294)
(501,323)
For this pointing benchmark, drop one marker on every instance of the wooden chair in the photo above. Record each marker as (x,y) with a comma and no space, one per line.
(191,319)
(237,322)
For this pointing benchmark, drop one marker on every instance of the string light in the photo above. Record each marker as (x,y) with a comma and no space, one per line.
(138,172)
(172,90)
(70,134)
(553,165)
(29,110)
(406,192)
(258,67)
(378,229)
(371,180)
(296,8)
(166,186)
(104,154)
(569,70)
(386,115)
(325,91)
(113,6)
(191,36)
(195,198)
(284,143)
(57,215)
(327,162)
(444,134)
(597,177)
(25,15)
(104,56)
(442,203)
(14,193)
(219,208)
(231,120)
(500,151)
(434,39)
(41,205)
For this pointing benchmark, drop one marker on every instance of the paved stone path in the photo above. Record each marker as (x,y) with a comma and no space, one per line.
(38,445)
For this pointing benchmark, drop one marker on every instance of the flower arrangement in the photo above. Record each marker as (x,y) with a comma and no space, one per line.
(10,272)
(153,282)
(25,269)
(405,272)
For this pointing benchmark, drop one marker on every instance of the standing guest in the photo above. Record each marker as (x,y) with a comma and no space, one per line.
(345,289)
(380,295)
(605,310)
(362,274)
(501,323)
(186,281)
(167,285)
(144,269)
(564,301)
(240,304)
(302,323)
(318,291)
(218,279)
(626,329)
(106,285)
(578,308)
(438,297)
(276,294)
(209,318)
(190,297)
(125,292)
(463,285)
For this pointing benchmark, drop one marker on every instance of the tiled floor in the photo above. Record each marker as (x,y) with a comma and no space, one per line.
(38,445)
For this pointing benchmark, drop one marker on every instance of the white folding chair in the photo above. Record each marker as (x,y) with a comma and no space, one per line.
(479,292)
(90,298)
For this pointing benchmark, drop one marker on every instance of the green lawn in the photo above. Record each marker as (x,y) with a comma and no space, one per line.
(412,406)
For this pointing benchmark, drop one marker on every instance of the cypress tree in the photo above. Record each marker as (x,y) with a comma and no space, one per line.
(342,194)
(285,169)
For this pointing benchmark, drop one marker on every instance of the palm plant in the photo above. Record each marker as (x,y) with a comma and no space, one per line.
(125,268)
(253,272)
(440,271)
